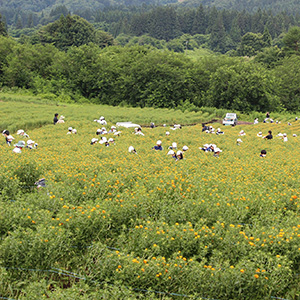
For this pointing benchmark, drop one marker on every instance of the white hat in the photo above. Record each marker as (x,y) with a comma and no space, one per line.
(178,152)
(207,131)
(185,148)
(29,142)
(74,130)
(214,146)
(102,118)
(103,139)
(219,129)
(294,135)
(94,140)
(113,127)
(239,140)
(131,149)
(158,142)
(167,133)
(20,131)
(171,152)
(217,150)
(98,130)
(242,131)
(61,117)
(117,132)
(111,140)
(103,128)
(206,145)
(70,128)
(284,134)
(174,145)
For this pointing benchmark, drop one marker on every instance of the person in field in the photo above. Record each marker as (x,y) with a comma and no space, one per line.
(242,133)
(31,144)
(94,141)
(260,134)
(22,133)
(172,152)
(55,120)
(263,153)
(158,146)
(217,152)
(269,136)
(179,155)
(18,147)
(132,150)
(238,142)
(185,148)
(70,130)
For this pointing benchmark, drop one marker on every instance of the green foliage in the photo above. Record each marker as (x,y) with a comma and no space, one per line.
(66,32)
(292,41)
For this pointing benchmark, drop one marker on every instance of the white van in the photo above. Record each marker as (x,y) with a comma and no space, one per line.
(230,119)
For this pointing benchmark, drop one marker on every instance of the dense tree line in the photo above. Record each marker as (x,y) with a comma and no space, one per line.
(145,76)
(218,30)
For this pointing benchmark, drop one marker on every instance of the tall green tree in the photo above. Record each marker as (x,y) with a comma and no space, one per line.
(66,32)
(292,41)
(3,30)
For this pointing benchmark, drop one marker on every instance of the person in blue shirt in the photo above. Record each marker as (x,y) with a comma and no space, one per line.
(158,146)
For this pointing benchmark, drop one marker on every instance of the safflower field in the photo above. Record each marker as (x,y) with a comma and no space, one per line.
(115,225)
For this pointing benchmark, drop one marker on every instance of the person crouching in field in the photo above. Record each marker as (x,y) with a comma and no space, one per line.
(132,150)
(158,146)
(217,151)
(263,153)
(18,147)
(269,136)
(179,155)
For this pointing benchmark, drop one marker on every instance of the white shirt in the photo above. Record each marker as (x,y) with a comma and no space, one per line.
(17,150)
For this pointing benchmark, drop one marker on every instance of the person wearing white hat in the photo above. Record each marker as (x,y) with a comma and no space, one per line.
(217,151)
(70,130)
(98,131)
(94,141)
(132,150)
(18,147)
(179,155)
(111,140)
(185,148)
(255,121)
(208,147)
(31,144)
(103,140)
(285,139)
(172,152)
(22,133)
(238,142)
(167,133)
(174,146)
(158,146)
(112,129)
(74,131)
(259,134)
(242,133)
(219,131)
(138,131)
(294,135)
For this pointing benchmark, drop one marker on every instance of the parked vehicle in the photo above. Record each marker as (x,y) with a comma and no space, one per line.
(230,119)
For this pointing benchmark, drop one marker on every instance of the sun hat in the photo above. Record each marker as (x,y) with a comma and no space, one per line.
(102,118)
(171,152)
(103,128)
(74,130)
(284,134)
(131,149)
(217,150)
(294,135)
(20,131)
(111,140)
(239,140)
(185,148)
(174,145)
(98,130)
(70,128)
(20,144)
(178,152)
(167,133)
(219,129)
(94,140)
(158,142)
(113,127)
(30,142)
